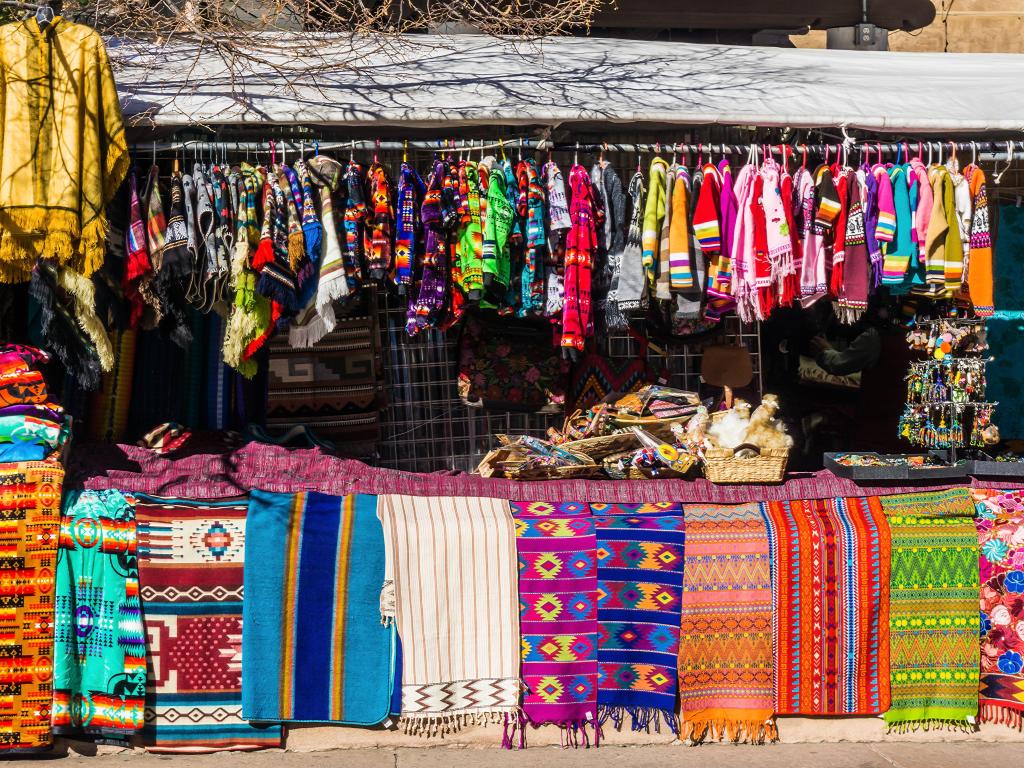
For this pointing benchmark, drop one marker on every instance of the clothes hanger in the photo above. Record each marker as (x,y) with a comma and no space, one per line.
(997,176)
(45,15)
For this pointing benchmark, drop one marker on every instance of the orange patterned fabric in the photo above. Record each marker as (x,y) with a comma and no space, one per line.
(29,532)
(725,648)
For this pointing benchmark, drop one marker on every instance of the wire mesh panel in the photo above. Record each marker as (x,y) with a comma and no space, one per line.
(426,427)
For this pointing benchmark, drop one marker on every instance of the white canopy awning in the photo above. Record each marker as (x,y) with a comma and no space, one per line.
(430,81)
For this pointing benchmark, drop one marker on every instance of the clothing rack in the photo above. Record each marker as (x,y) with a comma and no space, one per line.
(981,150)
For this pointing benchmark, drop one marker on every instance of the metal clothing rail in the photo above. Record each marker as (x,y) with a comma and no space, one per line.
(984,150)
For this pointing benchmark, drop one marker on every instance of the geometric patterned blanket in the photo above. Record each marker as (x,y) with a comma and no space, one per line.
(100,647)
(191,556)
(1000,523)
(557,552)
(30,512)
(725,654)
(830,586)
(639,588)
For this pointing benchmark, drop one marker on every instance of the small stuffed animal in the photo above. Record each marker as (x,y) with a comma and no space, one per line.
(765,431)
(729,429)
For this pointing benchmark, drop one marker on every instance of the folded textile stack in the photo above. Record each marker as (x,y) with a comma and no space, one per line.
(32,426)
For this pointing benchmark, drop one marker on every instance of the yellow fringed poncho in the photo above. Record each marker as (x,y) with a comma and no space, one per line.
(63,150)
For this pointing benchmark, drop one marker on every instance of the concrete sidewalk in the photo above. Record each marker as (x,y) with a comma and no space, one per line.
(937,755)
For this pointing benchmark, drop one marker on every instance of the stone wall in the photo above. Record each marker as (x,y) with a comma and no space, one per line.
(960,26)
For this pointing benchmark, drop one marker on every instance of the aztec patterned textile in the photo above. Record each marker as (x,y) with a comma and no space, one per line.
(557,549)
(934,616)
(30,510)
(725,655)
(639,590)
(99,653)
(1000,523)
(315,648)
(830,588)
(191,556)
(334,388)
(452,561)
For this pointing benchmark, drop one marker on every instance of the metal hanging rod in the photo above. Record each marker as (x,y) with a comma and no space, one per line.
(984,150)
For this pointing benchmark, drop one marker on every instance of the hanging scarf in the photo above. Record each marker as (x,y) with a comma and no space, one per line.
(631,293)
(654,213)
(425,308)
(779,245)
(332,283)
(558,221)
(249,317)
(580,245)
(355,224)
(953,261)
(137,264)
(291,187)
(311,324)
(410,195)
(979,265)
(277,278)
(159,289)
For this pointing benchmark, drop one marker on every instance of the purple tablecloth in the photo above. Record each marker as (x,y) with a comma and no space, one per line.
(271,468)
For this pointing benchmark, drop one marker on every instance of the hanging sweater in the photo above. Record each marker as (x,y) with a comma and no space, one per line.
(900,248)
(580,245)
(663,284)
(654,214)
(64,152)
(632,286)
(680,267)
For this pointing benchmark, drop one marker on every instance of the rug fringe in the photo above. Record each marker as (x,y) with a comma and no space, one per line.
(433,724)
(735,731)
(641,718)
(1002,715)
(932,724)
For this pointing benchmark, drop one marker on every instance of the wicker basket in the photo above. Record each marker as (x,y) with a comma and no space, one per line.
(599,447)
(723,466)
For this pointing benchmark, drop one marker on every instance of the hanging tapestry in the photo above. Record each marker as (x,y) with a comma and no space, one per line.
(651,508)
(1000,523)
(639,589)
(830,590)
(315,648)
(99,654)
(334,387)
(452,561)
(557,549)
(725,652)
(30,510)
(191,556)
(934,616)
